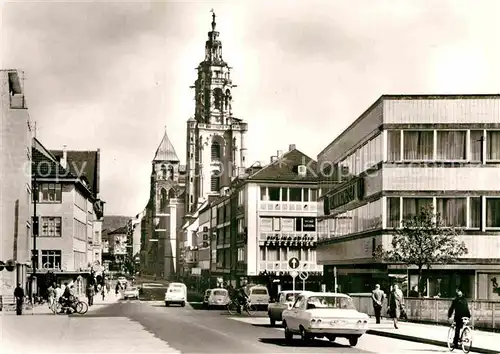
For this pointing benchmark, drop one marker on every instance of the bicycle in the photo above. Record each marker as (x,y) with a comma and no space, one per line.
(465,340)
(79,307)
(232,308)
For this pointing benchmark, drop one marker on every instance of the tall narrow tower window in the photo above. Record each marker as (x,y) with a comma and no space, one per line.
(216,151)
(227,100)
(163,201)
(218,98)
(170,174)
(214,183)
(163,172)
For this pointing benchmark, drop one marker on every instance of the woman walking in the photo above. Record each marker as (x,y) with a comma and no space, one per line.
(395,304)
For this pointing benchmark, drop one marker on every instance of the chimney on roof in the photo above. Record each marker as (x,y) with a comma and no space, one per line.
(291,147)
(280,153)
(274,159)
(64,158)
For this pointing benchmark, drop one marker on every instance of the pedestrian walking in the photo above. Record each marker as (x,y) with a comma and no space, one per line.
(59,292)
(19,296)
(51,294)
(90,294)
(395,304)
(378,297)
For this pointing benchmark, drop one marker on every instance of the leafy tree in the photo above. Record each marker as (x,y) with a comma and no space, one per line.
(130,265)
(423,240)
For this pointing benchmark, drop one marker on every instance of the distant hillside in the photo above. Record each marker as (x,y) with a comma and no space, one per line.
(113,222)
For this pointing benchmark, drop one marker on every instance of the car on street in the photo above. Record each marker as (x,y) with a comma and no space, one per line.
(122,280)
(215,298)
(329,315)
(258,295)
(131,292)
(176,294)
(285,301)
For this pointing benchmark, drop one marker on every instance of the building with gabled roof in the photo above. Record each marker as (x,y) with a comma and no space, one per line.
(266,218)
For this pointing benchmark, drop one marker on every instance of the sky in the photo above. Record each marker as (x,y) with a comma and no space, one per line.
(112,75)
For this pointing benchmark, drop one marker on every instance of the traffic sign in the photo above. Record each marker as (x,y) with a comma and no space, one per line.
(304,275)
(294,274)
(293,262)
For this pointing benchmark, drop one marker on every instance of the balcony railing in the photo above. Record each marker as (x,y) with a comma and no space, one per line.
(304,207)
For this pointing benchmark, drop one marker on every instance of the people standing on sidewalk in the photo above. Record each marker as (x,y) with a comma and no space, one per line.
(51,292)
(90,294)
(19,296)
(59,293)
(378,297)
(395,304)
(460,307)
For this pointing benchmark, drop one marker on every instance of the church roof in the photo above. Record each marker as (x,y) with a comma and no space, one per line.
(166,151)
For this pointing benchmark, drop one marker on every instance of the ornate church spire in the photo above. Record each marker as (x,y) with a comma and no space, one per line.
(213,46)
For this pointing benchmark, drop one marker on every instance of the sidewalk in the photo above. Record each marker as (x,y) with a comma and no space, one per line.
(482,342)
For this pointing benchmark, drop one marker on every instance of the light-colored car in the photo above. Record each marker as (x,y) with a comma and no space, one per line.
(215,297)
(176,294)
(258,294)
(329,315)
(285,301)
(122,280)
(131,292)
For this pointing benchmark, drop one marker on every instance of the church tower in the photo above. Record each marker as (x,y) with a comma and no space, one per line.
(216,150)
(167,204)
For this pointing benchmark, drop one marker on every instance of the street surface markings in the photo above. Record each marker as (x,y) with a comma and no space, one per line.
(260,321)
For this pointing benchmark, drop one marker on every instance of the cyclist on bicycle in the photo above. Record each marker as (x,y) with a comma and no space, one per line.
(460,307)
(241,298)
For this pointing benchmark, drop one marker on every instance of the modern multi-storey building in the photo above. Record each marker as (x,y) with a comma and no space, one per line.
(268,218)
(69,217)
(402,153)
(216,150)
(16,131)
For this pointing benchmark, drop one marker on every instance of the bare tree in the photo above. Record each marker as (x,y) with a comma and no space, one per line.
(423,240)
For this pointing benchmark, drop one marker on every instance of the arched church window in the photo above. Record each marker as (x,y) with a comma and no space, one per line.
(171,193)
(170,174)
(227,99)
(164,172)
(216,151)
(214,182)
(218,98)
(163,201)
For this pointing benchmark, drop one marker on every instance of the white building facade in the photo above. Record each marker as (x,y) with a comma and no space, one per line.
(402,153)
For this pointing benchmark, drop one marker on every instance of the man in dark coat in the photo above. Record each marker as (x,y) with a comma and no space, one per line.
(19,295)
(378,297)
(460,307)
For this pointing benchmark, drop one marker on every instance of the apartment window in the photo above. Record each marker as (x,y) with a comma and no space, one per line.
(413,206)
(475,212)
(50,227)
(263,193)
(476,145)
(80,201)
(492,212)
(214,183)
(295,194)
(305,192)
(298,224)
(393,145)
(284,194)
(393,212)
(418,145)
(262,252)
(314,195)
(49,192)
(453,211)
(215,151)
(493,145)
(241,254)
(51,258)
(273,254)
(451,145)
(274,193)
(80,230)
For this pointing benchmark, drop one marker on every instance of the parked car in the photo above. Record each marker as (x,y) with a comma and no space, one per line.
(258,294)
(329,315)
(131,292)
(122,280)
(176,294)
(285,301)
(215,298)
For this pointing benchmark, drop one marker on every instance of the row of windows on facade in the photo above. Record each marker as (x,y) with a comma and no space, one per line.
(51,226)
(288,224)
(285,253)
(53,259)
(222,257)
(453,211)
(418,145)
(284,194)
(52,193)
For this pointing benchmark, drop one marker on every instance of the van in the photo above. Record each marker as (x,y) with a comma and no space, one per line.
(176,294)
(259,295)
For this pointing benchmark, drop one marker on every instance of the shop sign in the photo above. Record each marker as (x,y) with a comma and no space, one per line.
(353,191)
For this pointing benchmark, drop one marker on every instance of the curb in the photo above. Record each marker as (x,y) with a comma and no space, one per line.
(424,340)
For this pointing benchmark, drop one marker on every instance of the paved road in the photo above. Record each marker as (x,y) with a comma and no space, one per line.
(200,331)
